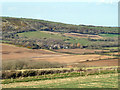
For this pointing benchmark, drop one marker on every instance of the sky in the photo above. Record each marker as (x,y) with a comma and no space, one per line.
(88,12)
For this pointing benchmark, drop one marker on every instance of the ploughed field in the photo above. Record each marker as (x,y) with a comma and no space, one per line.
(83,35)
(11,52)
(107,62)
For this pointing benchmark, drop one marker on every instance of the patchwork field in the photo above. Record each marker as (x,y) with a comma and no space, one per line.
(77,35)
(11,52)
(54,35)
(46,54)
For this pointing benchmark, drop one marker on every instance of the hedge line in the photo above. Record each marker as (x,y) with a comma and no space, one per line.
(27,73)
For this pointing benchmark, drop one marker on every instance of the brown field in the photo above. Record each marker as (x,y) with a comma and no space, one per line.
(50,32)
(109,62)
(79,51)
(115,53)
(73,58)
(11,52)
(83,35)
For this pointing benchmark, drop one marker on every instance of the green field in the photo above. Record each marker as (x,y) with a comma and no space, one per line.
(111,48)
(43,35)
(40,34)
(75,68)
(93,81)
(109,35)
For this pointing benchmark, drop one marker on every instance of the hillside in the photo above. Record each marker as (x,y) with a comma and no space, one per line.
(22,24)
(36,34)
(45,54)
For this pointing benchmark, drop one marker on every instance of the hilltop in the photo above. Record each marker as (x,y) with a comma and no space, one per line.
(24,24)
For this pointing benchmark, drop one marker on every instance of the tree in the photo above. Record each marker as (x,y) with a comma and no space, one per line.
(78,45)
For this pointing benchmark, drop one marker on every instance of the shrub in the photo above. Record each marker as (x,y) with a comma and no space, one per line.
(29,73)
(71,69)
(18,74)
(57,71)
(11,74)
(64,71)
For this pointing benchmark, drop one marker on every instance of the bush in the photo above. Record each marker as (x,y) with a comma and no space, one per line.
(57,71)
(16,74)
(11,74)
(29,73)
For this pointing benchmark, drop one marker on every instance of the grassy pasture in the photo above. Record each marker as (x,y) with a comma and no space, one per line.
(109,35)
(41,34)
(109,48)
(92,81)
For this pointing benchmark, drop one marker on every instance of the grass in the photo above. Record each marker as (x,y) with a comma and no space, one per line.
(4,41)
(73,40)
(40,34)
(111,48)
(93,81)
(82,41)
(58,75)
(109,35)
(75,68)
